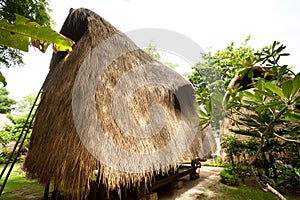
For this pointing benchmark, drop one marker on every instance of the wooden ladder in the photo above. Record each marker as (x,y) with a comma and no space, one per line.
(19,143)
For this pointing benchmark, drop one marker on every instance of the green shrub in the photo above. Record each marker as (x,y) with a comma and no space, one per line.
(12,132)
(3,157)
(229,176)
(214,164)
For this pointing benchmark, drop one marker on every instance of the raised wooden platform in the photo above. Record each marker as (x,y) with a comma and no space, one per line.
(99,192)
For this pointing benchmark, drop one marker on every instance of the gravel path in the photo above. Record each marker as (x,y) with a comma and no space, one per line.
(204,186)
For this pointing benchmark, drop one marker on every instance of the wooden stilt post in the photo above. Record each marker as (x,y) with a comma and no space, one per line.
(194,174)
(46,191)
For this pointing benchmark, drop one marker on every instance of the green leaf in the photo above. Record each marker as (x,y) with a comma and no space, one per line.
(292,117)
(202,113)
(274,88)
(282,47)
(274,45)
(271,61)
(277,59)
(287,88)
(264,93)
(226,99)
(284,54)
(203,121)
(243,121)
(11,39)
(250,73)
(296,84)
(208,106)
(255,117)
(231,105)
(251,102)
(2,79)
(295,130)
(17,35)
(261,84)
(268,105)
(249,95)
(246,132)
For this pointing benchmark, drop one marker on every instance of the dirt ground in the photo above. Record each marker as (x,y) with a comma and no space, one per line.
(206,186)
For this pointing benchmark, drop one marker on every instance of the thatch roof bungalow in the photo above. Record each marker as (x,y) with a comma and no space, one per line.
(108,106)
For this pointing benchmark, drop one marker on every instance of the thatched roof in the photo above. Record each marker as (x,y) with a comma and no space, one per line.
(108,106)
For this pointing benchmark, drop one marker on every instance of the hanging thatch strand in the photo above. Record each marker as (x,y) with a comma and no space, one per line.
(108,106)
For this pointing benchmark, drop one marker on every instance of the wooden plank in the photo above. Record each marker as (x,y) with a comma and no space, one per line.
(172,178)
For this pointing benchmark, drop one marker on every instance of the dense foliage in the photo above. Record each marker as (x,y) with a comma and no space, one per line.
(6,103)
(229,176)
(23,106)
(211,78)
(37,10)
(23,24)
(261,100)
(10,133)
(152,51)
(266,120)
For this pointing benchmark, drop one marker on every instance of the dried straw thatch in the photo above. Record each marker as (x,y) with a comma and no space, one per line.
(108,106)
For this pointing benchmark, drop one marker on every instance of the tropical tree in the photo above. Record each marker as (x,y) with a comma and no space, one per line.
(265,122)
(211,78)
(19,122)
(152,51)
(24,105)
(6,103)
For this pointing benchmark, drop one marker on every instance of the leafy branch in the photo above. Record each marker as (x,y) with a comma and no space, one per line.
(23,32)
(269,114)
(269,127)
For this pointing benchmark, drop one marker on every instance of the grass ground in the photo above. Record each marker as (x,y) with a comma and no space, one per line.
(214,164)
(250,191)
(220,191)
(18,186)
(243,192)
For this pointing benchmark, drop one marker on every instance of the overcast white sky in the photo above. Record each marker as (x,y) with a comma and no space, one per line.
(213,23)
